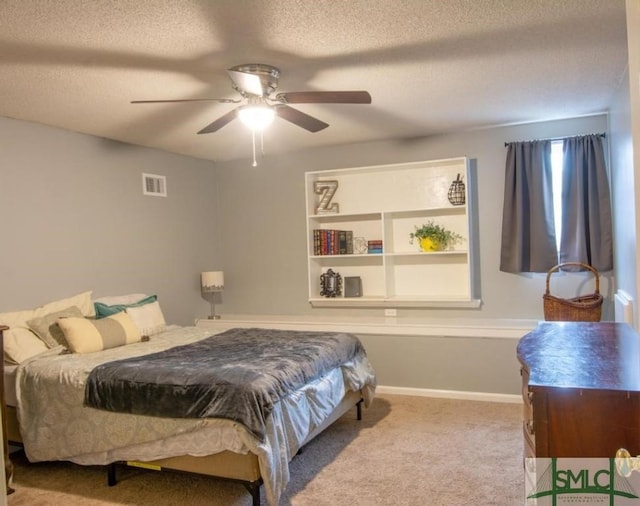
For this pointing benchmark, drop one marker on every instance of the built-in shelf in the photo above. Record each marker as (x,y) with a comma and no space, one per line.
(387,203)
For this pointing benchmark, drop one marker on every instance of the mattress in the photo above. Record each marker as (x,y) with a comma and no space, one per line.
(67,430)
(10,384)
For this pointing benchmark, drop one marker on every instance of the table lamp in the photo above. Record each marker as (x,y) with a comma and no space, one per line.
(212,282)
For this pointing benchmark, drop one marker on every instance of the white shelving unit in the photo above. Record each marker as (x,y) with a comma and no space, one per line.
(387,202)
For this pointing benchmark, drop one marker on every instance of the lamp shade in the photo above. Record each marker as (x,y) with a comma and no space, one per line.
(212,281)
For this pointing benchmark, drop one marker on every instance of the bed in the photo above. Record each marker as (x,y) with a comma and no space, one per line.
(217,446)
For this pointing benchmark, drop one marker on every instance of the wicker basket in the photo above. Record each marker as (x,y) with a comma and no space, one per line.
(586,308)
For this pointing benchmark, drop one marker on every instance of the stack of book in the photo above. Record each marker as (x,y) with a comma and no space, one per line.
(374,246)
(332,242)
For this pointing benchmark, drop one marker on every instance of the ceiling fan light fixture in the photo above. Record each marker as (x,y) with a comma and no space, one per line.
(256,117)
(257,83)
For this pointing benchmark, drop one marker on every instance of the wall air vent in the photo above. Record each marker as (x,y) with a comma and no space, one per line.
(155,185)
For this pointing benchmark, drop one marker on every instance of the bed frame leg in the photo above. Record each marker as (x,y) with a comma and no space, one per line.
(111,474)
(254,489)
(359,410)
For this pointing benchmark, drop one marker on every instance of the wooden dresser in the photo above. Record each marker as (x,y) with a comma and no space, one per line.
(581,389)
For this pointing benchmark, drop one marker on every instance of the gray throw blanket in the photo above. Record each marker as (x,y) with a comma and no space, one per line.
(237,375)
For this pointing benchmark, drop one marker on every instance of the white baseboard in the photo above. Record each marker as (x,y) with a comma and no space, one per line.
(450,394)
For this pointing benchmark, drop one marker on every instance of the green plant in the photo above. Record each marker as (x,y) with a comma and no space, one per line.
(437,233)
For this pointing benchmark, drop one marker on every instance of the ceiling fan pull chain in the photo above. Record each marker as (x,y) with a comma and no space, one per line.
(253,141)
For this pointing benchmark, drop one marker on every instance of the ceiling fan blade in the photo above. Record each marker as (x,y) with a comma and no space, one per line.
(249,83)
(221,100)
(219,123)
(300,118)
(324,97)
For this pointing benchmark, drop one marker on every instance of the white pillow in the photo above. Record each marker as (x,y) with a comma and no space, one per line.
(17,321)
(82,301)
(19,318)
(21,344)
(148,318)
(113,300)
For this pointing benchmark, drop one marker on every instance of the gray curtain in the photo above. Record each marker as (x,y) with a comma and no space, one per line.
(586,206)
(528,228)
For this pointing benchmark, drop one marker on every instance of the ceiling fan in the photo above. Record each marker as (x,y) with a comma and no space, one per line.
(257,83)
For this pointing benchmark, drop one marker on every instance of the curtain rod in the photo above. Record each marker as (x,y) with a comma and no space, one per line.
(559,138)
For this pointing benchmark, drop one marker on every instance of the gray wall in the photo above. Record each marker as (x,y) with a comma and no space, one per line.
(633,44)
(623,189)
(74,218)
(462,364)
(264,255)
(624,126)
(264,250)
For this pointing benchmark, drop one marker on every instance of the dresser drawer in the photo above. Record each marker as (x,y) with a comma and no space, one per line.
(529,436)
(528,428)
(527,406)
(529,450)
(525,383)
(527,401)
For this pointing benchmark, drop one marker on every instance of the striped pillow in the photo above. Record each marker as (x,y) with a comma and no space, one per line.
(86,336)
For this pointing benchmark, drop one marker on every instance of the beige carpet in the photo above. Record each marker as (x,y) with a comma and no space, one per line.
(406,451)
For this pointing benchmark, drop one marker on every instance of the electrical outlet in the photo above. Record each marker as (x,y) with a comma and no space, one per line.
(391,312)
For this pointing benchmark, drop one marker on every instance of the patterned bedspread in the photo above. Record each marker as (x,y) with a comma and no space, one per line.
(238,375)
(56,425)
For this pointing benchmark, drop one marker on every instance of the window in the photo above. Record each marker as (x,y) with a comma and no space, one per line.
(556,180)
(569,179)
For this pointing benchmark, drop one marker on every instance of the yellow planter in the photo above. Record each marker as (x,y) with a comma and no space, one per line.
(427,244)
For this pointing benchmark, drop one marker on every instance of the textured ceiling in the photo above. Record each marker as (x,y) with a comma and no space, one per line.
(431,66)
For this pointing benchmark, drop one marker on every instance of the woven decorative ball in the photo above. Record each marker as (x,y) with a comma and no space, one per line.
(456,193)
